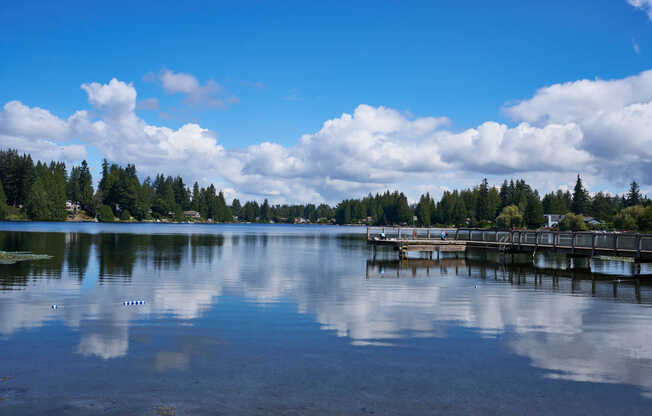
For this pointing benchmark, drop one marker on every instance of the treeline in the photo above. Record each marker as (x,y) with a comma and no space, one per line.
(251,211)
(45,191)
(476,207)
(515,204)
(42,192)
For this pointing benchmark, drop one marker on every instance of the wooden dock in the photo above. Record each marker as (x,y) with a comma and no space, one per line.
(636,246)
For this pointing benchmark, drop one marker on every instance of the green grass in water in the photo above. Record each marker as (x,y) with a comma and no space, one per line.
(7,257)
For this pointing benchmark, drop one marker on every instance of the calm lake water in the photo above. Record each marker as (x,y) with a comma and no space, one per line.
(301,320)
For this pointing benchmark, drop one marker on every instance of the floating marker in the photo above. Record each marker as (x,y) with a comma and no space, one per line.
(133,302)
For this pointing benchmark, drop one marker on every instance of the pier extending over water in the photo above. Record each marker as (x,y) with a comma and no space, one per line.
(636,247)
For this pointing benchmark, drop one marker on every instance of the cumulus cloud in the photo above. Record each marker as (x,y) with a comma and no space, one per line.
(598,127)
(38,132)
(645,5)
(615,117)
(210,94)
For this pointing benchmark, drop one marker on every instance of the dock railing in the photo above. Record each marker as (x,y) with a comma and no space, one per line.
(625,242)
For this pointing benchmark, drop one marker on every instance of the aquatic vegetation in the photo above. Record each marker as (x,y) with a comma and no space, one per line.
(7,257)
(166,411)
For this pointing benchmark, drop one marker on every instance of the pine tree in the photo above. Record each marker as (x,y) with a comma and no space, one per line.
(534,211)
(634,195)
(4,209)
(195,197)
(38,202)
(86,189)
(504,194)
(265,215)
(459,213)
(236,207)
(482,205)
(423,210)
(580,197)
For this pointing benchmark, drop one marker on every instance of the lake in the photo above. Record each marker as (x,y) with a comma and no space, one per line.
(303,320)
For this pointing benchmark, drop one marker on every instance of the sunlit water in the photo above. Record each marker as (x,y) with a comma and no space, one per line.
(253,319)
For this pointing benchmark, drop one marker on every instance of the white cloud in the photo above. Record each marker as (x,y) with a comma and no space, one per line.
(148,104)
(20,120)
(38,132)
(209,94)
(596,127)
(615,117)
(116,97)
(179,82)
(645,5)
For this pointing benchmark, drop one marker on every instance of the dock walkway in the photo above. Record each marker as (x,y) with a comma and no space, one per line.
(586,244)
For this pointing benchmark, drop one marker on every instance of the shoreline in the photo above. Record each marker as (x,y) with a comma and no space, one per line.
(184,223)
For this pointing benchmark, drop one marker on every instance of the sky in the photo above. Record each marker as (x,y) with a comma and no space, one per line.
(323,101)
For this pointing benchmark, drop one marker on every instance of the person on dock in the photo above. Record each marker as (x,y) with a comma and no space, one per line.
(443,234)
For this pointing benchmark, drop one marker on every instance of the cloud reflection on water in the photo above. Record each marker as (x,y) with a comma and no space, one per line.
(182,276)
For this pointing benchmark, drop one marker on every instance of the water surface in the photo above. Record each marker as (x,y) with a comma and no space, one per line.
(277,319)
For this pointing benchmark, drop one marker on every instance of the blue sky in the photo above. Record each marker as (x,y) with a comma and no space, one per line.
(278,73)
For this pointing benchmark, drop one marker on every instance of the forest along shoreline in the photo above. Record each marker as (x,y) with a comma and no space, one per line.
(44,191)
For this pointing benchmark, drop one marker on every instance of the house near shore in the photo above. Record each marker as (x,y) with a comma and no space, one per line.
(192,214)
(594,222)
(553,220)
(72,206)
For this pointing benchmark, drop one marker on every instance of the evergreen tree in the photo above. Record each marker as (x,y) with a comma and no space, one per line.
(4,209)
(534,212)
(423,210)
(459,213)
(482,205)
(634,194)
(504,194)
(265,214)
(494,203)
(38,202)
(195,197)
(236,207)
(580,197)
(85,188)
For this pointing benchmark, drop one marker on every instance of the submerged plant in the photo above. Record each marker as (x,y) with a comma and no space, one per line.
(7,257)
